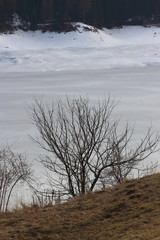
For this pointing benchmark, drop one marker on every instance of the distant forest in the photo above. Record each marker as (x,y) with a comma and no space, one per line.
(99,13)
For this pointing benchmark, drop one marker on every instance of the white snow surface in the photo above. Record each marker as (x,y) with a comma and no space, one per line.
(130,46)
(124,63)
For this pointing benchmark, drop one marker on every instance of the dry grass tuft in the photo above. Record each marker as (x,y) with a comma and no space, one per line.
(130,211)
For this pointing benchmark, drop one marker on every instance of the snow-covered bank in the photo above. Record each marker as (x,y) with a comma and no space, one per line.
(117,48)
(85,37)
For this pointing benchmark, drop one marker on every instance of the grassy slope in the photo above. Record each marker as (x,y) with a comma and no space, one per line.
(130,211)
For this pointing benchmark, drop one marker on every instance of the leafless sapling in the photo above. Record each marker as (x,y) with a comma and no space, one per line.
(13,169)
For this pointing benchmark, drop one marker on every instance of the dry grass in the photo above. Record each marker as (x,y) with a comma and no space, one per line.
(130,211)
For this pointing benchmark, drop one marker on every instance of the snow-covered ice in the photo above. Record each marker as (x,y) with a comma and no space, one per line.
(136,91)
(122,62)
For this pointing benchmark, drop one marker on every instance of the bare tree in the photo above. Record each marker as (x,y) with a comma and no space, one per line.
(13,169)
(83,142)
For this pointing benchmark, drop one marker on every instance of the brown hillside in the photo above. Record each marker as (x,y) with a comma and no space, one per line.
(130,211)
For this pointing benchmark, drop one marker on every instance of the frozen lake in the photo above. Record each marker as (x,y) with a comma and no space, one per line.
(124,63)
(136,90)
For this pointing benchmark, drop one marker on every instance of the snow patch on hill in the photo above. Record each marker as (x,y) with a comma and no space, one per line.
(84,36)
(85,48)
